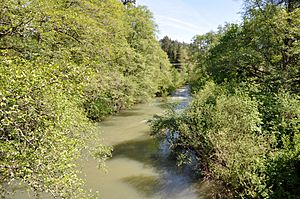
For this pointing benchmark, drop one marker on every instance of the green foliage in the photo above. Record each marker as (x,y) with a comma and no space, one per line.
(199,50)
(62,62)
(43,131)
(98,107)
(224,132)
(283,173)
(280,115)
(262,49)
(242,128)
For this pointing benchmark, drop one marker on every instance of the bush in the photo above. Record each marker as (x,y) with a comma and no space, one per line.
(223,131)
(281,114)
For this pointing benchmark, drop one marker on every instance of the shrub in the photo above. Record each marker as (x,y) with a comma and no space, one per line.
(222,132)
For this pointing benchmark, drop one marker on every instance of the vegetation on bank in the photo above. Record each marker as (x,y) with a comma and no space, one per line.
(242,128)
(63,65)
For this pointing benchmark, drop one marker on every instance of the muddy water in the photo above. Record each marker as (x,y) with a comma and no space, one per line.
(140,166)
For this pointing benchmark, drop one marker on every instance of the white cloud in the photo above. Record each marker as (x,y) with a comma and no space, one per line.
(186,18)
(180,24)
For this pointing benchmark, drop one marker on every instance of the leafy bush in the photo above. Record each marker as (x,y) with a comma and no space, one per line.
(43,131)
(223,132)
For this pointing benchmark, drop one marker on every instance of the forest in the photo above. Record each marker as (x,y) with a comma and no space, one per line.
(66,65)
(241,130)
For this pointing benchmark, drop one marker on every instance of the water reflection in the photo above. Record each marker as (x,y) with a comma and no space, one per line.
(146,185)
(144,151)
(170,181)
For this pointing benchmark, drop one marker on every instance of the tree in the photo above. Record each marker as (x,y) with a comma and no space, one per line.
(63,66)
(179,56)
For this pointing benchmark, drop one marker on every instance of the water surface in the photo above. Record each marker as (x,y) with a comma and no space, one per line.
(140,166)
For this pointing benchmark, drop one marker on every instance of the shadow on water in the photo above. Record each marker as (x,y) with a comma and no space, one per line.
(144,151)
(144,184)
(128,113)
(171,180)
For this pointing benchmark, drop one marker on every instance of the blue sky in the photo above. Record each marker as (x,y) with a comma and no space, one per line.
(183,19)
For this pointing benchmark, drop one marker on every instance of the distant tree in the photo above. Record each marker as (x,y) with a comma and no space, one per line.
(176,51)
